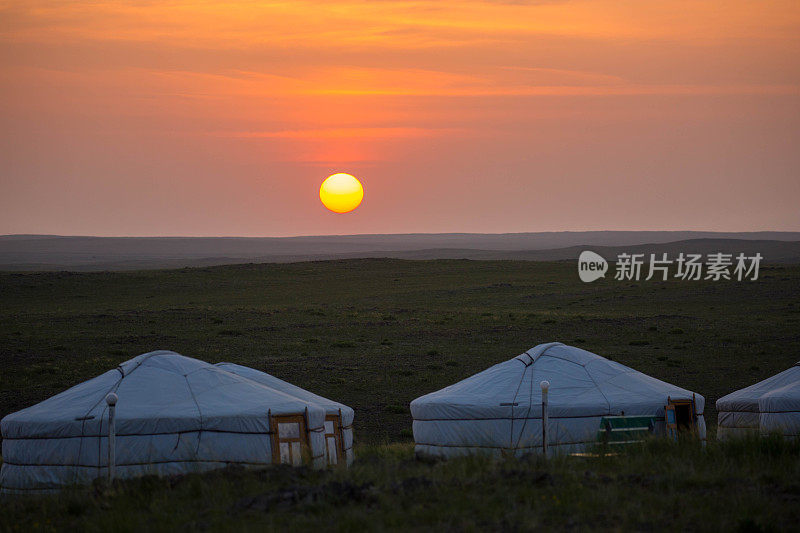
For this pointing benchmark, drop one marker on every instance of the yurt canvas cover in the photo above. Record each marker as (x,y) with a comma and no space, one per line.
(499,410)
(338,417)
(769,406)
(174,415)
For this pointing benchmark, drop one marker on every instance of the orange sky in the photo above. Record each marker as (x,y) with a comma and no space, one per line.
(223,118)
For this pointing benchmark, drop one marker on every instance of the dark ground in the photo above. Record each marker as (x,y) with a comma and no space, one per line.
(375,334)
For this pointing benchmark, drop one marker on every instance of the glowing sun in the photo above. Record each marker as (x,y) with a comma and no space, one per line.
(341,193)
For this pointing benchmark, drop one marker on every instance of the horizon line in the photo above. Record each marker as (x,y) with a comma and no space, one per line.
(401,234)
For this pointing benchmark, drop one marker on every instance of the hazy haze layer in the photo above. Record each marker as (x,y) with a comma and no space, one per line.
(43,252)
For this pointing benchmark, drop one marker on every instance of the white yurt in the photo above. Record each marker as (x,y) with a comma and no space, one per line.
(499,410)
(173,415)
(769,406)
(338,417)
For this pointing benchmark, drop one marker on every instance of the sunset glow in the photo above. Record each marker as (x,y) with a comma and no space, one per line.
(637,115)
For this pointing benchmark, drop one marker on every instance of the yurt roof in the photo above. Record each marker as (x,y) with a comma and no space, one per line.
(160,391)
(785,384)
(287,388)
(581,383)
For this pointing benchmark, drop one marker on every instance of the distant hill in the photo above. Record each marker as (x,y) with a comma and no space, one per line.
(51,252)
(773,251)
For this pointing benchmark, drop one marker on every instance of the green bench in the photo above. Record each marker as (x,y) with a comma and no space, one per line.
(616,430)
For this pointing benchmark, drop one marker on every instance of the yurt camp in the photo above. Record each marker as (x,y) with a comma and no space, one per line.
(338,417)
(159,413)
(771,406)
(583,397)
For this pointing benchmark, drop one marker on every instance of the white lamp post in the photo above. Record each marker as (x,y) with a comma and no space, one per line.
(111,400)
(545,387)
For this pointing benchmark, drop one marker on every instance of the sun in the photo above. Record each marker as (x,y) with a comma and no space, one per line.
(341,193)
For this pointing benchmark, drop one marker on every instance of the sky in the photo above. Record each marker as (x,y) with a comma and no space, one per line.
(223,118)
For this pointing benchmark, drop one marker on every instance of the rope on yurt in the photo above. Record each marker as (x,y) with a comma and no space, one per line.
(199,412)
(114,388)
(528,412)
(512,404)
(530,394)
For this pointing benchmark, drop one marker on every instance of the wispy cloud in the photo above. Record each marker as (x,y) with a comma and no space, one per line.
(386,132)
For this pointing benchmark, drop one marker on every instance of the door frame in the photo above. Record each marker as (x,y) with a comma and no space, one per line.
(338,437)
(302,438)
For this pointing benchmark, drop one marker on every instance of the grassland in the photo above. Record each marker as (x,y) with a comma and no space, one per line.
(375,334)
(751,486)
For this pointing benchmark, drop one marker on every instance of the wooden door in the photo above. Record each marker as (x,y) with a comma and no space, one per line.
(334,444)
(289,439)
(671,421)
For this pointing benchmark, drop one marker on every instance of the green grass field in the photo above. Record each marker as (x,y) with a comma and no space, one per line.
(375,334)
(749,486)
